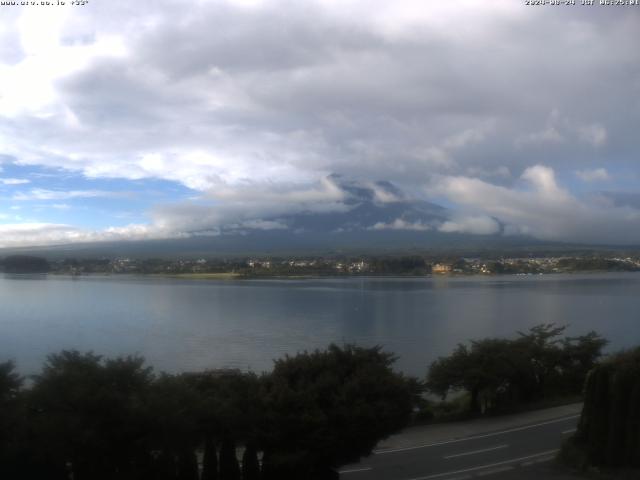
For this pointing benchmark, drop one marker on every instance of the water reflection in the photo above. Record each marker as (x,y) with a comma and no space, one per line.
(185,324)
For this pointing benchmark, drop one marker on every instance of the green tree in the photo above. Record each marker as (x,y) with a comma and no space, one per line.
(580,355)
(229,403)
(250,464)
(172,420)
(229,467)
(10,382)
(498,373)
(229,412)
(486,371)
(448,374)
(327,408)
(89,413)
(210,459)
(541,346)
(11,425)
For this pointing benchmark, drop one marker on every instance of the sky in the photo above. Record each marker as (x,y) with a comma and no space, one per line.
(126,120)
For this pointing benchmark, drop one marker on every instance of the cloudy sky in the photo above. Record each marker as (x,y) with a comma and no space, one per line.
(134,120)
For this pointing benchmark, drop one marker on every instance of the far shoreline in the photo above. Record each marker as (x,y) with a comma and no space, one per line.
(235,276)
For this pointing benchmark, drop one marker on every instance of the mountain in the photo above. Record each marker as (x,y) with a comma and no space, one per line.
(282,243)
(367,212)
(376,218)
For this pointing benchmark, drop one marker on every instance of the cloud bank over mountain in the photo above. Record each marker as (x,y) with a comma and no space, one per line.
(541,208)
(537,208)
(125,121)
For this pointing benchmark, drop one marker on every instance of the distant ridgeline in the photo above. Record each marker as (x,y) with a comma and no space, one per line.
(24,264)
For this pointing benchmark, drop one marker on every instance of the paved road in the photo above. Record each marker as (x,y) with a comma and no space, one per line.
(476,456)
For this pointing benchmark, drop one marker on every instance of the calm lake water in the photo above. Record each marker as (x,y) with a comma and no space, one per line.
(183,325)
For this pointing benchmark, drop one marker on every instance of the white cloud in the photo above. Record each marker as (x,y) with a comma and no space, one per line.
(249,207)
(25,234)
(384,193)
(325,191)
(224,211)
(46,234)
(45,194)
(476,225)
(544,209)
(401,224)
(27,87)
(258,224)
(14,181)
(594,175)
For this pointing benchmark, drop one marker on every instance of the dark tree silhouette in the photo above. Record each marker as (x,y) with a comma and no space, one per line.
(250,463)
(89,413)
(172,412)
(210,460)
(10,382)
(11,428)
(25,264)
(229,467)
(609,428)
(500,372)
(328,408)
(187,465)
(92,418)
(580,355)
(229,411)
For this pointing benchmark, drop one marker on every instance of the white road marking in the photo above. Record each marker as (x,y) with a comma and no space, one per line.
(355,470)
(483,467)
(569,431)
(457,440)
(538,460)
(493,471)
(476,451)
(542,460)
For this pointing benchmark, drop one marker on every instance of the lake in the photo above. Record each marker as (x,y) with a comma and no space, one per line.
(181,325)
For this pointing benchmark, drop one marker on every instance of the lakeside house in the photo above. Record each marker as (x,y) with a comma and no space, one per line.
(441,268)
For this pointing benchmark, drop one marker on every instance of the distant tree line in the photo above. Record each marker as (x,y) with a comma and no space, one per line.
(92,418)
(24,264)
(409,265)
(500,373)
(595,264)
